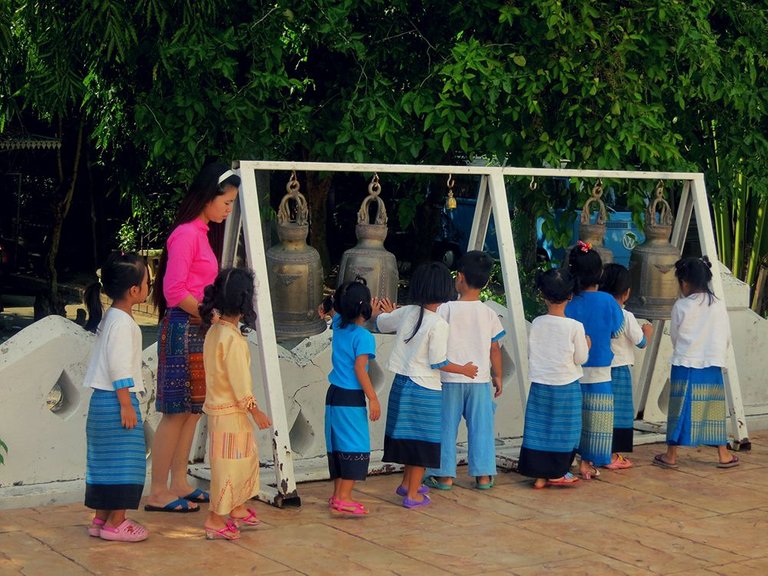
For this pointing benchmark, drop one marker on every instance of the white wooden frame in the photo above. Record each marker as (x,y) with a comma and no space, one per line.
(492,199)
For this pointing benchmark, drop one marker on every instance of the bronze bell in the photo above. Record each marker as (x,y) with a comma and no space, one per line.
(594,234)
(369,259)
(652,265)
(295,271)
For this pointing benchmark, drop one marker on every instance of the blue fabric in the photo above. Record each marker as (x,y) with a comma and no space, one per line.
(697,411)
(552,430)
(623,402)
(116,464)
(413,431)
(348,343)
(602,319)
(643,343)
(123,383)
(346,421)
(439,365)
(499,336)
(474,402)
(596,423)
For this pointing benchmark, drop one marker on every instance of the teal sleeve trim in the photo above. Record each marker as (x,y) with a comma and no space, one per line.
(440,365)
(499,336)
(642,343)
(123,383)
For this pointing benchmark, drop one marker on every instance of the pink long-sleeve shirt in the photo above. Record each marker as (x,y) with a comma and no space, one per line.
(192,265)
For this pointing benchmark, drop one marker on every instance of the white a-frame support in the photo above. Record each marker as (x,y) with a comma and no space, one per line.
(492,199)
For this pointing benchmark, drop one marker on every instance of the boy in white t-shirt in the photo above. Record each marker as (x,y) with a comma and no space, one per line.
(475,331)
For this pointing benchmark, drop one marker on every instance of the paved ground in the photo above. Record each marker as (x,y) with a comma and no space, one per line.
(698,520)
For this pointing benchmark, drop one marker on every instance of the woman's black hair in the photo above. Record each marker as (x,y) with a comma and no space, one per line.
(352,300)
(231,294)
(697,273)
(119,273)
(555,285)
(204,188)
(615,280)
(431,283)
(585,266)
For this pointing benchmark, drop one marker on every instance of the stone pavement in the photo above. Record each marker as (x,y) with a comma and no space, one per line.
(697,520)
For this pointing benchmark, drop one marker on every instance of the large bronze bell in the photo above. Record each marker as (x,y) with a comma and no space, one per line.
(294,269)
(652,264)
(369,259)
(594,234)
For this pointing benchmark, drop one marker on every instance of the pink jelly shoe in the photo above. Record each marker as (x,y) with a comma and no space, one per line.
(127,531)
(95,528)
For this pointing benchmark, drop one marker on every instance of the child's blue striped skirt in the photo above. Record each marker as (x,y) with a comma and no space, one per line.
(347,439)
(116,462)
(413,434)
(552,430)
(623,408)
(596,423)
(696,407)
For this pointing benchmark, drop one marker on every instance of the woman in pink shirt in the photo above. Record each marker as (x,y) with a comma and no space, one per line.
(190,262)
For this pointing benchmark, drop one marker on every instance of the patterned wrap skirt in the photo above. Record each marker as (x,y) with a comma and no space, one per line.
(596,423)
(116,464)
(234,459)
(552,430)
(623,409)
(696,407)
(413,431)
(180,372)
(347,440)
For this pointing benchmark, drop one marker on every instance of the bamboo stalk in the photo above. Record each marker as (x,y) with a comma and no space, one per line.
(755,254)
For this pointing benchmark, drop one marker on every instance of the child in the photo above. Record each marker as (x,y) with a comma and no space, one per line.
(700,335)
(229,399)
(615,281)
(116,461)
(473,335)
(346,424)
(557,348)
(412,436)
(602,319)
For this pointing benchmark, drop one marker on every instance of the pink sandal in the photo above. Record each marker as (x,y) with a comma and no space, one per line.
(127,531)
(229,532)
(250,520)
(95,528)
(353,508)
(620,463)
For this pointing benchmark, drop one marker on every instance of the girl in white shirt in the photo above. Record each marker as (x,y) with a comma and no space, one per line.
(557,348)
(116,454)
(413,429)
(700,337)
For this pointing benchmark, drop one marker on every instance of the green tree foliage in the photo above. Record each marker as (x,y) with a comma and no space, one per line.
(161,86)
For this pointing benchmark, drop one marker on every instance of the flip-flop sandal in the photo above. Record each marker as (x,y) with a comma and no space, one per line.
(229,532)
(126,531)
(180,506)
(408,503)
(198,496)
(734,461)
(658,460)
(486,486)
(592,473)
(433,482)
(353,508)
(620,463)
(403,491)
(566,481)
(246,521)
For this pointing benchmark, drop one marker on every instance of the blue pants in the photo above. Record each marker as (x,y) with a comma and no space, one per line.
(475,403)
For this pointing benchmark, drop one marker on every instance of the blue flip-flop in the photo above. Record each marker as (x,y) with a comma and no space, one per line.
(486,486)
(180,506)
(433,482)
(198,496)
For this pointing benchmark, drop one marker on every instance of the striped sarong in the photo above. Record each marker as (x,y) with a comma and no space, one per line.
(234,459)
(412,435)
(180,372)
(347,440)
(623,409)
(696,407)
(596,423)
(116,462)
(552,430)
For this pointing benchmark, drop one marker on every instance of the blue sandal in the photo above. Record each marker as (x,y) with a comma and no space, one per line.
(180,506)
(197,495)
(433,482)
(486,486)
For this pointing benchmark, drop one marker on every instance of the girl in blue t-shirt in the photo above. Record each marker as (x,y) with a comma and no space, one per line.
(602,319)
(347,439)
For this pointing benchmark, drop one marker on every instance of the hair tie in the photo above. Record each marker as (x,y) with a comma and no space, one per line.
(226,175)
(584,246)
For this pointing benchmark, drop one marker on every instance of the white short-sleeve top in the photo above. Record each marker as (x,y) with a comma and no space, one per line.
(116,356)
(557,347)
